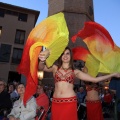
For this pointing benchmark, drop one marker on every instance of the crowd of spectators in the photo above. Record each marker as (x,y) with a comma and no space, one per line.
(12,102)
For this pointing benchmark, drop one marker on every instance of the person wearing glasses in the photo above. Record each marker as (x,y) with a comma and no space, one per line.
(21,111)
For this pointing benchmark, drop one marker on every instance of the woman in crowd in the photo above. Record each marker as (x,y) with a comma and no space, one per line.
(42,100)
(107,102)
(107,99)
(21,112)
(64,102)
(10,88)
(11,91)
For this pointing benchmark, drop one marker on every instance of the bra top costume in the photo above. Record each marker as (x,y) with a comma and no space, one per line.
(68,77)
(92,86)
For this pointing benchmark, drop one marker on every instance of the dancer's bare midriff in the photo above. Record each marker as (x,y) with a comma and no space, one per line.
(63,90)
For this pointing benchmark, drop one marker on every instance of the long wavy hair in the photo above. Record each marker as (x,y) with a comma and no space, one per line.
(71,59)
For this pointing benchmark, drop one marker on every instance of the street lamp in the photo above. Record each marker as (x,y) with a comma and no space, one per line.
(40,75)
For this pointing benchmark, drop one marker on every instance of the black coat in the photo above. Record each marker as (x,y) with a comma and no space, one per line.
(5,102)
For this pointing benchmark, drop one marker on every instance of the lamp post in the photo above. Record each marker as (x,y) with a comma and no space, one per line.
(40,75)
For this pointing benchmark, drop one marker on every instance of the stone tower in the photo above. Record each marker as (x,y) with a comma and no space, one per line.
(76,13)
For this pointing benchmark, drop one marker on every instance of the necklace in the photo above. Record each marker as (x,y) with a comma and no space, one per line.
(65,69)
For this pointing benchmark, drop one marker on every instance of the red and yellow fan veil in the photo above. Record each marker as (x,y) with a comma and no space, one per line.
(52,33)
(81,53)
(103,51)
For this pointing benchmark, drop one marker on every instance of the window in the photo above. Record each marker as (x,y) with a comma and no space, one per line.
(22,17)
(10,12)
(14,76)
(2,12)
(20,36)
(5,51)
(17,54)
(0,31)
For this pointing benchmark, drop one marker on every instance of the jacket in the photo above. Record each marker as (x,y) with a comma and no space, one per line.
(22,112)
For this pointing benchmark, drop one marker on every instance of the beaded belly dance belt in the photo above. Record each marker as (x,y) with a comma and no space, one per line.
(64,100)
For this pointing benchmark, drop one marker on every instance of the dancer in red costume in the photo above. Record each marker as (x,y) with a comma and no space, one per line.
(93,102)
(64,103)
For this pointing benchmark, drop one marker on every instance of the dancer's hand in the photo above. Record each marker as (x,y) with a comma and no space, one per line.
(44,55)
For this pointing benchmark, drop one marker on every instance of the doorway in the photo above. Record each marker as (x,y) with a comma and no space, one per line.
(14,76)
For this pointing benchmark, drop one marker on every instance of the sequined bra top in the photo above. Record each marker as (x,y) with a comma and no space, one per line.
(92,86)
(68,77)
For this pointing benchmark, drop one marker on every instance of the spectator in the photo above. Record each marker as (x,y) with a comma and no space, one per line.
(21,112)
(107,97)
(5,102)
(107,103)
(81,95)
(11,88)
(42,100)
(115,85)
(11,91)
(15,94)
(101,94)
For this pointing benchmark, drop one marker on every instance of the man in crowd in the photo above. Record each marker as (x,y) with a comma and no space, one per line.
(5,102)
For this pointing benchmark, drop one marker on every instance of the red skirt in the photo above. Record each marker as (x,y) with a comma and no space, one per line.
(64,108)
(94,110)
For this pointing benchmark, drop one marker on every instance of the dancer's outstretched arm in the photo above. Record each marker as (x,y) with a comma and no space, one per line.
(86,77)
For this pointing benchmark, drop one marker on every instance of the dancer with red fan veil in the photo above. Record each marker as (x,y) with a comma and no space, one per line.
(93,102)
(102,56)
(50,33)
(64,103)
